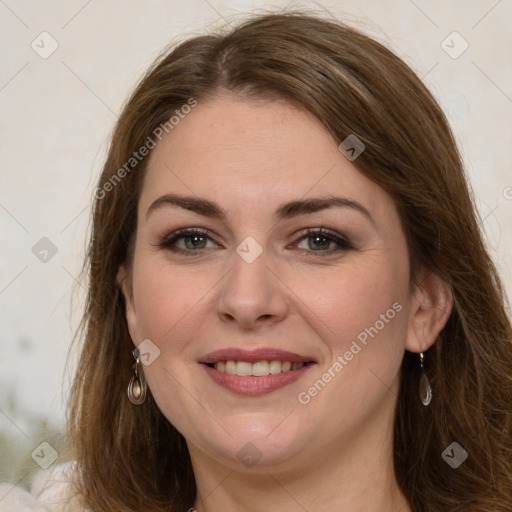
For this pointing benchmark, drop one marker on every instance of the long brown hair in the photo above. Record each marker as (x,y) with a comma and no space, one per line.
(131,458)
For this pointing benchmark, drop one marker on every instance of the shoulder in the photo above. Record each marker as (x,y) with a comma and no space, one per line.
(51,491)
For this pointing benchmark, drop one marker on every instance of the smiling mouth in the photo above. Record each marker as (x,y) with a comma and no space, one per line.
(257,369)
(256,378)
(255,372)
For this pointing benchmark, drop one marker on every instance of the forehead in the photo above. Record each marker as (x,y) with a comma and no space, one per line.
(246,154)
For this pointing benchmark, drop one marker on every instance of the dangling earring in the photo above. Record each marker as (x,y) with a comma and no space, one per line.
(425,389)
(137,385)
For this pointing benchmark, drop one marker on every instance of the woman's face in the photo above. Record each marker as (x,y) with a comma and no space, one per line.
(268,343)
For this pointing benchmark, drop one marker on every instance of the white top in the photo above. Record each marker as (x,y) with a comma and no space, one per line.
(50,492)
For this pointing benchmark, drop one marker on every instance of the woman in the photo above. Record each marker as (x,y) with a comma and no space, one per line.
(290,305)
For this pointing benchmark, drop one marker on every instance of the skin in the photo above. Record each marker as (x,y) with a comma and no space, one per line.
(335,452)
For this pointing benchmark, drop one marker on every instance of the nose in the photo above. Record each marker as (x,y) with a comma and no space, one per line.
(251,295)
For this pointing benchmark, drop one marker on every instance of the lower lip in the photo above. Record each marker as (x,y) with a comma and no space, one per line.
(255,386)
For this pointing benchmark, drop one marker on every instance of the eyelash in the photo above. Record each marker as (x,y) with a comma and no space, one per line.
(169,241)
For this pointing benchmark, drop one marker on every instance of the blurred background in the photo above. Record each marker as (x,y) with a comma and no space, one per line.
(68,67)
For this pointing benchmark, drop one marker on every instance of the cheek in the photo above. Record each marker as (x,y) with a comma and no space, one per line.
(358,301)
(368,314)
(366,309)
(172,302)
(164,298)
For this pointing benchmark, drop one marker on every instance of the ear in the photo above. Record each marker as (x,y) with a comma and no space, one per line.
(431,306)
(123,281)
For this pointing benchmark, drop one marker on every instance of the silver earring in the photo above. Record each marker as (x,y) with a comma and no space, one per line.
(425,389)
(137,386)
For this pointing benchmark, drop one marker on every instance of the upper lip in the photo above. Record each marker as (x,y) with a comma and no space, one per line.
(253,356)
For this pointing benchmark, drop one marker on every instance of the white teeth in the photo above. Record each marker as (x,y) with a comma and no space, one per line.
(243,368)
(230,367)
(258,369)
(275,367)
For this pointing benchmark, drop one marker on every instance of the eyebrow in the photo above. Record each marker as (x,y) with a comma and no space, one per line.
(288,210)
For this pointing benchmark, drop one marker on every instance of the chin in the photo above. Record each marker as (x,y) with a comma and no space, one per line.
(254,453)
